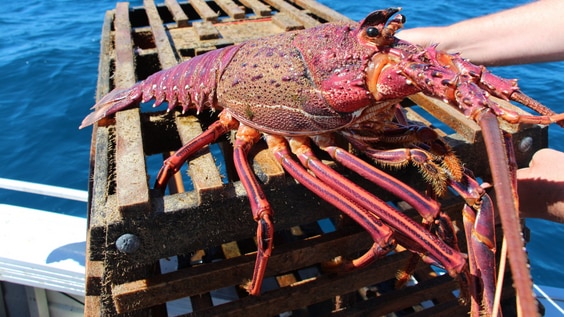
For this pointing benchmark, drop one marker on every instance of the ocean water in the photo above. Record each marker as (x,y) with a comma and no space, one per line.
(48,64)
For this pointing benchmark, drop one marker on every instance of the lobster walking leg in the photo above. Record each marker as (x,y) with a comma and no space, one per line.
(262,212)
(479,226)
(381,234)
(433,158)
(175,161)
(453,262)
(378,177)
(430,211)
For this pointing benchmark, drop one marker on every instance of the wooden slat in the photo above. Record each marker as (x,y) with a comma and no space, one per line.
(92,306)
(125,68)
(165,50)
(98,184)
(231,9)
(200,302)
(103,83)
(230,250)
(286,22)
(94,273)
(205,12)
(202,279)
(258,7)
(310,291)
(448,309)
(267,168)
(205,30)
(407,297)
(295,13)
(449,116)
(178,14)
(131,178)
(322,11)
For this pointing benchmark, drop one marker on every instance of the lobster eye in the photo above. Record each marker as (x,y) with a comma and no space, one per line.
(372,32)
(402,18)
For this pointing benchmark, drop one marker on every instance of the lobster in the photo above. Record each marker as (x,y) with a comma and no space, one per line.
(345,80)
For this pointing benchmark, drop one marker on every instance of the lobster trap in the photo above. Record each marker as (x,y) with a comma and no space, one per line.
(186,252)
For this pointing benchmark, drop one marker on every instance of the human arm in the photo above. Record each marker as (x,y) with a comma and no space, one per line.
(526,34)
(541,186)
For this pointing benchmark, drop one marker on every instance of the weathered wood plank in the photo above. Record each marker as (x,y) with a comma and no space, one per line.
(258,7)
(99,164)
(202,279)
(166,54)
(231,9)
(125,67)
(204,10)
(92,306)
(106,53)
(286,22)
(205,30)
(131,178)
(178,14)
(295,13)
(448,115)
(321,11)
(404,298)
(314,290)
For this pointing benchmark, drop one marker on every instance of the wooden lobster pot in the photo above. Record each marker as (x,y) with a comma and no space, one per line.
(189,251)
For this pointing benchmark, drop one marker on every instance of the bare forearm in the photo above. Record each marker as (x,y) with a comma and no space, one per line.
(526,34)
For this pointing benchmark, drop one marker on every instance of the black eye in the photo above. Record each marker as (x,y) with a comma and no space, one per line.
(402,18)
(372,32)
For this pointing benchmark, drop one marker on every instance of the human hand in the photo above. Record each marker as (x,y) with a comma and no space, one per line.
(541,186)
(423,36)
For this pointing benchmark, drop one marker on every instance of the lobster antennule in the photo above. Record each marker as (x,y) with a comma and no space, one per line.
(378,17)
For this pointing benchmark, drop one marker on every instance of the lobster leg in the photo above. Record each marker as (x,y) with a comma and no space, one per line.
(245,138)
(262,212)
(428,208)
(438,251)
(434,159)
(479,226)
(381,234)
(378,177)
(173,164)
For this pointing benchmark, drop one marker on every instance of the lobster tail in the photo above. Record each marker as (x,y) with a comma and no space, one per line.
(192,83)
(116,100)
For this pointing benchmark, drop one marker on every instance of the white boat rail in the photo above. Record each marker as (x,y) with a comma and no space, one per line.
(44,249)
(46,190)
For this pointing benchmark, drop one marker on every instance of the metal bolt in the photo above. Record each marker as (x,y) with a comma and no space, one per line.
(525,144)
(128,243)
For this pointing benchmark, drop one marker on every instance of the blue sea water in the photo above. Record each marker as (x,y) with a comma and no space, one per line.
(48,65)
